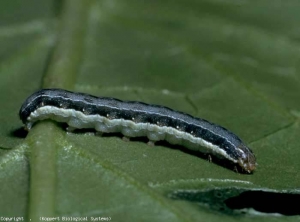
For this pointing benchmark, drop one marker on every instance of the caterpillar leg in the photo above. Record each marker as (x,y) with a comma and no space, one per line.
(209,158)
(235,169)
(125,138)
(28,126)
(70,129)
(151,143)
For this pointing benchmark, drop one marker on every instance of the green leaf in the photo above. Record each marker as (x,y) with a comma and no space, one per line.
(234,63)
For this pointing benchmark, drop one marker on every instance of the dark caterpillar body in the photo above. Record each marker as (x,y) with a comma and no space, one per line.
(133,119)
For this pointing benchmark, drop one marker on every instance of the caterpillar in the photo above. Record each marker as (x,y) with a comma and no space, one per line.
(136,119)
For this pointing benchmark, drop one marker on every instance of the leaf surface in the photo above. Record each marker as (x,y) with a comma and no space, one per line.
(234,63)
